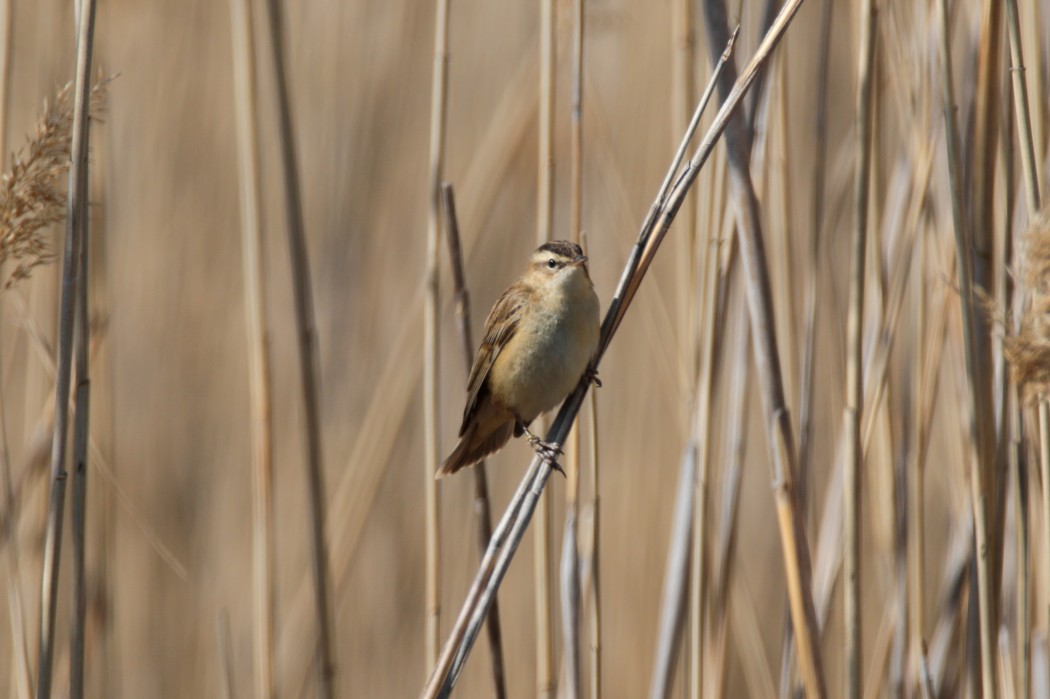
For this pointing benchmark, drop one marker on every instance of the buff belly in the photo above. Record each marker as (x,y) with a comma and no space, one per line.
(544,360)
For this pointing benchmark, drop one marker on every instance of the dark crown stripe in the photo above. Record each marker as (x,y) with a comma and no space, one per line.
(563,248)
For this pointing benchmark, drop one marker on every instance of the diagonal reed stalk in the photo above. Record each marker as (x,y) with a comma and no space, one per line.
(74,262)
(509,532)
(854,372)
(306,331)
(259,384)
(542,580)
(431,343)
(482,507)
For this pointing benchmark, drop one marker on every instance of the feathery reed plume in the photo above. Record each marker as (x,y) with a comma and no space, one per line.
(1028,350)
(31,193)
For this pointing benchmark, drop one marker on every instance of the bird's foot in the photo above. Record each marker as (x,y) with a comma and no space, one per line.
(548,451)
(592,376)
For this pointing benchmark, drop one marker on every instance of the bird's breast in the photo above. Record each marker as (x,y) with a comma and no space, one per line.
(550,350)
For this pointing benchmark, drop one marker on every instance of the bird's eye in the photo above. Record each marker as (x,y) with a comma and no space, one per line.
(551,263)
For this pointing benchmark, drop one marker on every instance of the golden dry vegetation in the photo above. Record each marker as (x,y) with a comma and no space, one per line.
(169,528)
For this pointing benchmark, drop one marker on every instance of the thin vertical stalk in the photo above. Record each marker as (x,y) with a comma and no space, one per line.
(306,331)
(702,431)
(80,456)
(855,359)
(595,616)
(21,674)
(916,498)
(1030,171)
(431,364)
(73,264)
(806,384)
(20,671)
(7,29)
(258,351)
(542,583)
(736,442)
(963,268)
(767,360)
(682,100)
(482,507)
(222,634)
(570,565)
(668,637)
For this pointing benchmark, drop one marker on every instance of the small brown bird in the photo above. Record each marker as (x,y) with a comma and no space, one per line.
(540,338)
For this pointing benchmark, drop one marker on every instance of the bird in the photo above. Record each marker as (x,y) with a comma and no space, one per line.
(541,337)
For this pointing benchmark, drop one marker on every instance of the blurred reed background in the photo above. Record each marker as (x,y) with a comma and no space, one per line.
(170,514)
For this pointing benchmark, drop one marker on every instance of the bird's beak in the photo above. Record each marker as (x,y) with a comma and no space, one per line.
(579,260)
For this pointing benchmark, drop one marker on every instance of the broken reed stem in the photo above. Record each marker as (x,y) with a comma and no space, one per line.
(306,332)
(963,269)
(72,267)
(542,581)
(259,384)
(789,517)
(431,344)
(855,358)
(482,506)
(512,526)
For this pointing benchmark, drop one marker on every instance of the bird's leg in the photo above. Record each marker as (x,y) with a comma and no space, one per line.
(592,375)
(547,451)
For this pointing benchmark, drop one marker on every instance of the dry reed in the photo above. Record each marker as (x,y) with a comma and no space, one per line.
(258,344)
(431,359)
(482,506)
(543,534)
(306,334)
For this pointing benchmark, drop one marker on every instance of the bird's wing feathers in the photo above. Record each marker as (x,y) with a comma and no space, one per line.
(500,326)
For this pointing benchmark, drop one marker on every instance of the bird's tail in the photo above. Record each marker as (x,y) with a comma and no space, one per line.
(473,447)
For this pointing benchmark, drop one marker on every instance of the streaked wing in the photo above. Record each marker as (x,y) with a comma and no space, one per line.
(499,328)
